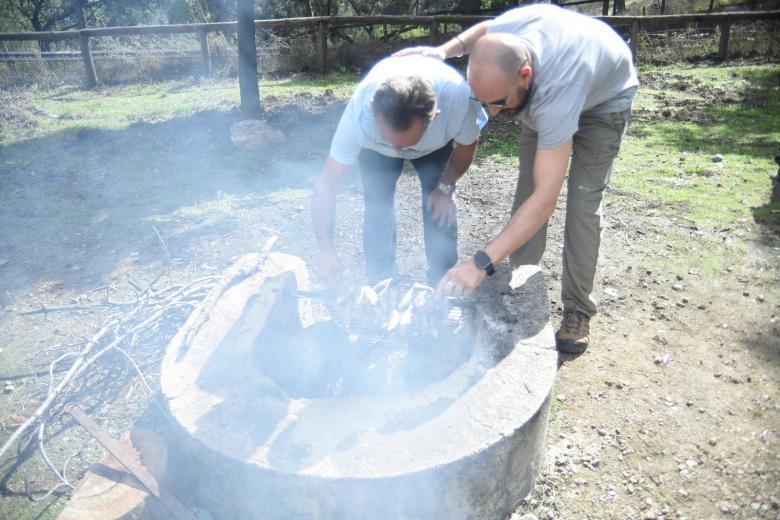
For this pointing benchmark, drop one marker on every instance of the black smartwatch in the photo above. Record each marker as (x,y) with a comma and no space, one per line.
(483,261)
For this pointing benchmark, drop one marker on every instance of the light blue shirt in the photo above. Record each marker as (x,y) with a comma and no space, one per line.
(459,119)
(580,65)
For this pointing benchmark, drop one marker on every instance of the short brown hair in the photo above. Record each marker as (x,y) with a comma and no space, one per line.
(401,99)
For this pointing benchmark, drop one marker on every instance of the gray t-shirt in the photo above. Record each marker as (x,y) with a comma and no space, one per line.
(581,65)
(459,118)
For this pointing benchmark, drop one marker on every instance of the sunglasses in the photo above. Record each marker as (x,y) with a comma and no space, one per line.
(501,103)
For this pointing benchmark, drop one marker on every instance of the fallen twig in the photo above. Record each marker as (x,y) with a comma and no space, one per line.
(66,308)
(128,329)
(166,251)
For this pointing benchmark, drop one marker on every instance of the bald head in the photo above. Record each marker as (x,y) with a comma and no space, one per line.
(496,58)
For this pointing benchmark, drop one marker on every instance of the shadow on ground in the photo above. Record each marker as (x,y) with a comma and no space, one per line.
(75,202)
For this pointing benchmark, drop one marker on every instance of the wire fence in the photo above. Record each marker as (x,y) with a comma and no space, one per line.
(134,58)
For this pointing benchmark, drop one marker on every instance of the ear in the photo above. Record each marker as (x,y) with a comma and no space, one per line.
(525,72)
(435,115)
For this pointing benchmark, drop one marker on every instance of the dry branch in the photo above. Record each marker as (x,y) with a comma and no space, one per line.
(115,332)
(128,327)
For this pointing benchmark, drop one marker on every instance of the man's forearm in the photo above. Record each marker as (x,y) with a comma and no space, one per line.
(323,214)
(323,204)
(550,167)
(463,43)
(461,159)
(526,221)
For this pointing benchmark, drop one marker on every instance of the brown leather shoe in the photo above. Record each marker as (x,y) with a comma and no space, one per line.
(572,337)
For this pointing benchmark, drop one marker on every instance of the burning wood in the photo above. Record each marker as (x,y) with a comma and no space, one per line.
(379,339)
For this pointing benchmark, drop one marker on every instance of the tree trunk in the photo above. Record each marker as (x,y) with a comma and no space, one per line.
(90,76)
(309,10)
(469,6)
(247,60)
(618,7)
(37,24)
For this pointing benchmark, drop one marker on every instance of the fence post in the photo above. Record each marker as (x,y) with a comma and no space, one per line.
(605,8)
(725,30)
(633,37)
(434,32)
(205,53)
(323,41)
(86,56)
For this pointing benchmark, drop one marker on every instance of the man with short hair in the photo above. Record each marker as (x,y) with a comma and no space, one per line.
(571,80)
(413,108)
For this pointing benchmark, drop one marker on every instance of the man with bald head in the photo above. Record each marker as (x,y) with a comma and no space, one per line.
(570,78)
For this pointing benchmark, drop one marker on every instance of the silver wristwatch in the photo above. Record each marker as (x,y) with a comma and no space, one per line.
(447,189)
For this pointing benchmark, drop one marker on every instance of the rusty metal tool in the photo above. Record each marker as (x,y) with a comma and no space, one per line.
(174,507)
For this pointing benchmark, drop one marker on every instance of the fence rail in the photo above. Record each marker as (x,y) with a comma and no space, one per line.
(324,24)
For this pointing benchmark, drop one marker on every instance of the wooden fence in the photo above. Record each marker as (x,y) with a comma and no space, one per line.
(323,24)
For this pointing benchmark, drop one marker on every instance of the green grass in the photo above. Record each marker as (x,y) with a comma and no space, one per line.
(665,159)
(115,108)
(341,83)
(673,162)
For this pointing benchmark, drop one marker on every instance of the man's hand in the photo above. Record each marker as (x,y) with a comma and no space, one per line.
(430,52)
(442,207)
(461,280)
(330,267)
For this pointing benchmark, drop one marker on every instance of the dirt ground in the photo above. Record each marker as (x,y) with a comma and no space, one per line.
(673,412)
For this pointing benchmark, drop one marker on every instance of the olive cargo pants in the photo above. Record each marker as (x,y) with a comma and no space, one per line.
(594,148)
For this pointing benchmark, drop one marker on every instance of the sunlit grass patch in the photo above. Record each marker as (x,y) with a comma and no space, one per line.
(339,83)
(713,156)
(116,107)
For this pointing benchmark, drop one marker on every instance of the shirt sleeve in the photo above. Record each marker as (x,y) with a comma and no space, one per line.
(557,120)
(348,139)
(473,120)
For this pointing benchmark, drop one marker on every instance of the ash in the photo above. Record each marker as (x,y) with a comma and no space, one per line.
(392,338)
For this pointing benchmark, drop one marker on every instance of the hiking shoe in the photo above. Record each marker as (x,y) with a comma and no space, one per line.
(572,338)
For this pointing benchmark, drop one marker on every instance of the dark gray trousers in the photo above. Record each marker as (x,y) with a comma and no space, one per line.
(380,174)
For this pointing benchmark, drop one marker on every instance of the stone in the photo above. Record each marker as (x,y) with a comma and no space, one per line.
(8,388)
(467,444)
(660,337)
(717,158)
(253,133)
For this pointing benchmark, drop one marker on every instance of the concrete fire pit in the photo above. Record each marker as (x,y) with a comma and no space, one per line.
(457,434)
